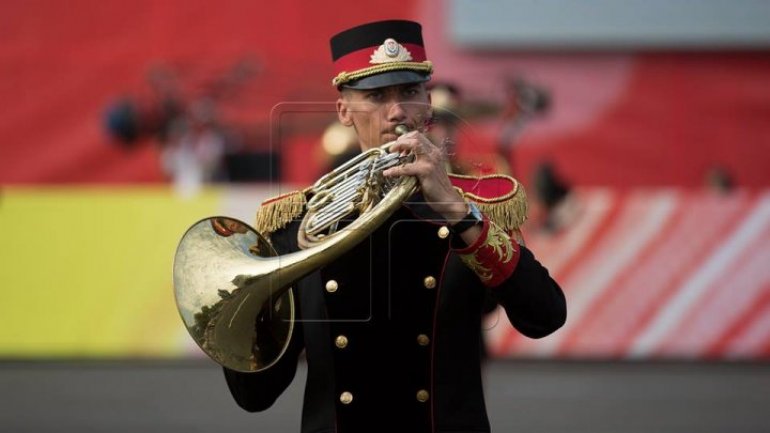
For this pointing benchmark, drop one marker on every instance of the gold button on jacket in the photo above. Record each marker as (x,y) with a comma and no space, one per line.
(422,396)
(341,341)
(346,397)
(443,232)
(429,282)
(423,340)
(331,286)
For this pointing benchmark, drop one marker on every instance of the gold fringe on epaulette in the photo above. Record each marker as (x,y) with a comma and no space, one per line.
(508,212)
(276,213)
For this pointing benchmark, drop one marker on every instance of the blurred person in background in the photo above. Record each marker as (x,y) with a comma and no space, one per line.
(524,102)
(444,125)
(194,151)
(183,120)
(556,205)
(719,180)
(391,329)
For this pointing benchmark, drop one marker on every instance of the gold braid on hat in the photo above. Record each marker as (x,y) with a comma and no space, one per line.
(343,77)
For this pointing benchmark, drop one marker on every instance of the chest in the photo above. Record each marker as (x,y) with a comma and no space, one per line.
(392,276)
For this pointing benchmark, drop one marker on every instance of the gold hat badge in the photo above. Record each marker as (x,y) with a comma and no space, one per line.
(390,51)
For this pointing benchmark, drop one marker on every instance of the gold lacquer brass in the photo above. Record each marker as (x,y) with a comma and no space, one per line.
(229,305)
(231,288)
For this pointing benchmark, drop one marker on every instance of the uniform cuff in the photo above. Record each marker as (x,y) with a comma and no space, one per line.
(494,255)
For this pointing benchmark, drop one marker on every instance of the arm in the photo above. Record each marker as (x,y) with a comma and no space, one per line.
(533,301)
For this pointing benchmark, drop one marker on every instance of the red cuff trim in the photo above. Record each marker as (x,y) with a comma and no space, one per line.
(493,257)
(479,241)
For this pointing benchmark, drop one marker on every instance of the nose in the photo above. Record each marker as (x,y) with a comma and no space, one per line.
(396,112)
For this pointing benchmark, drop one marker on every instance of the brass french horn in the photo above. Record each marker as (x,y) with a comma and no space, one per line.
(231,287)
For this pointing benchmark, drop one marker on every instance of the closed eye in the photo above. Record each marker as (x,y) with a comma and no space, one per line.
(411,91)
(374,96)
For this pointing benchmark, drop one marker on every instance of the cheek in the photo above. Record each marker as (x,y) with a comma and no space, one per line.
(361,122)
(419,109)
(372,119)
(420,114)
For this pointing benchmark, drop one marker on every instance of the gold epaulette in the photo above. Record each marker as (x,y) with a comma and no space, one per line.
(277,212)
(501,198)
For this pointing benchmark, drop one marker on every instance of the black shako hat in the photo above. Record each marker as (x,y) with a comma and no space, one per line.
(379,54)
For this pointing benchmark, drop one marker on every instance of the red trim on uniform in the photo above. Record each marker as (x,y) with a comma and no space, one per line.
(280,197)
(500,271)
(356,60)
(495,271)
(485,187)
(479,241)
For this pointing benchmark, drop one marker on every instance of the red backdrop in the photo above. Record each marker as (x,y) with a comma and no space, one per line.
(623,119)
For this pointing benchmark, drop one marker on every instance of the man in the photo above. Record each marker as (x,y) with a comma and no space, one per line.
(391,329)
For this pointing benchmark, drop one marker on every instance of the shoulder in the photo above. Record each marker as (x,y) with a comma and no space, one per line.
(277,212)
(498,196)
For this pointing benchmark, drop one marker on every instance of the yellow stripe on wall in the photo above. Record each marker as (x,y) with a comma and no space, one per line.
(86,272)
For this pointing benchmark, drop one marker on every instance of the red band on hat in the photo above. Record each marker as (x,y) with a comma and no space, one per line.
(360,59)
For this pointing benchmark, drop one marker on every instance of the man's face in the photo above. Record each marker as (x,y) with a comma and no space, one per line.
(375,113)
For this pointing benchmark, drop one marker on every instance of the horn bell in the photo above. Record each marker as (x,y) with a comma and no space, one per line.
(230,306)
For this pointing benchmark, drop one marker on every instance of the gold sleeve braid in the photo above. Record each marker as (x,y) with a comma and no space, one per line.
(493,257)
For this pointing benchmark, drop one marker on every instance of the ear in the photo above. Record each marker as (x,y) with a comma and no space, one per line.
(343,112)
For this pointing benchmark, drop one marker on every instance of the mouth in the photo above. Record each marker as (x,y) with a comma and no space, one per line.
(392,130)
(388,136)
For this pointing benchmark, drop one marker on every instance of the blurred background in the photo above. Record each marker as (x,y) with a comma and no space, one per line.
(640,129)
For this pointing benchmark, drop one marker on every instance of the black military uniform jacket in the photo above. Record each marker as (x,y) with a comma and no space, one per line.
(392,334)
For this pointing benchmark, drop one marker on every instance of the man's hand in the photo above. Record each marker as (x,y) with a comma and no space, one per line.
(428,168)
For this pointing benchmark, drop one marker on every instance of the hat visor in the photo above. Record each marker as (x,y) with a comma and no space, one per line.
(386,79)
